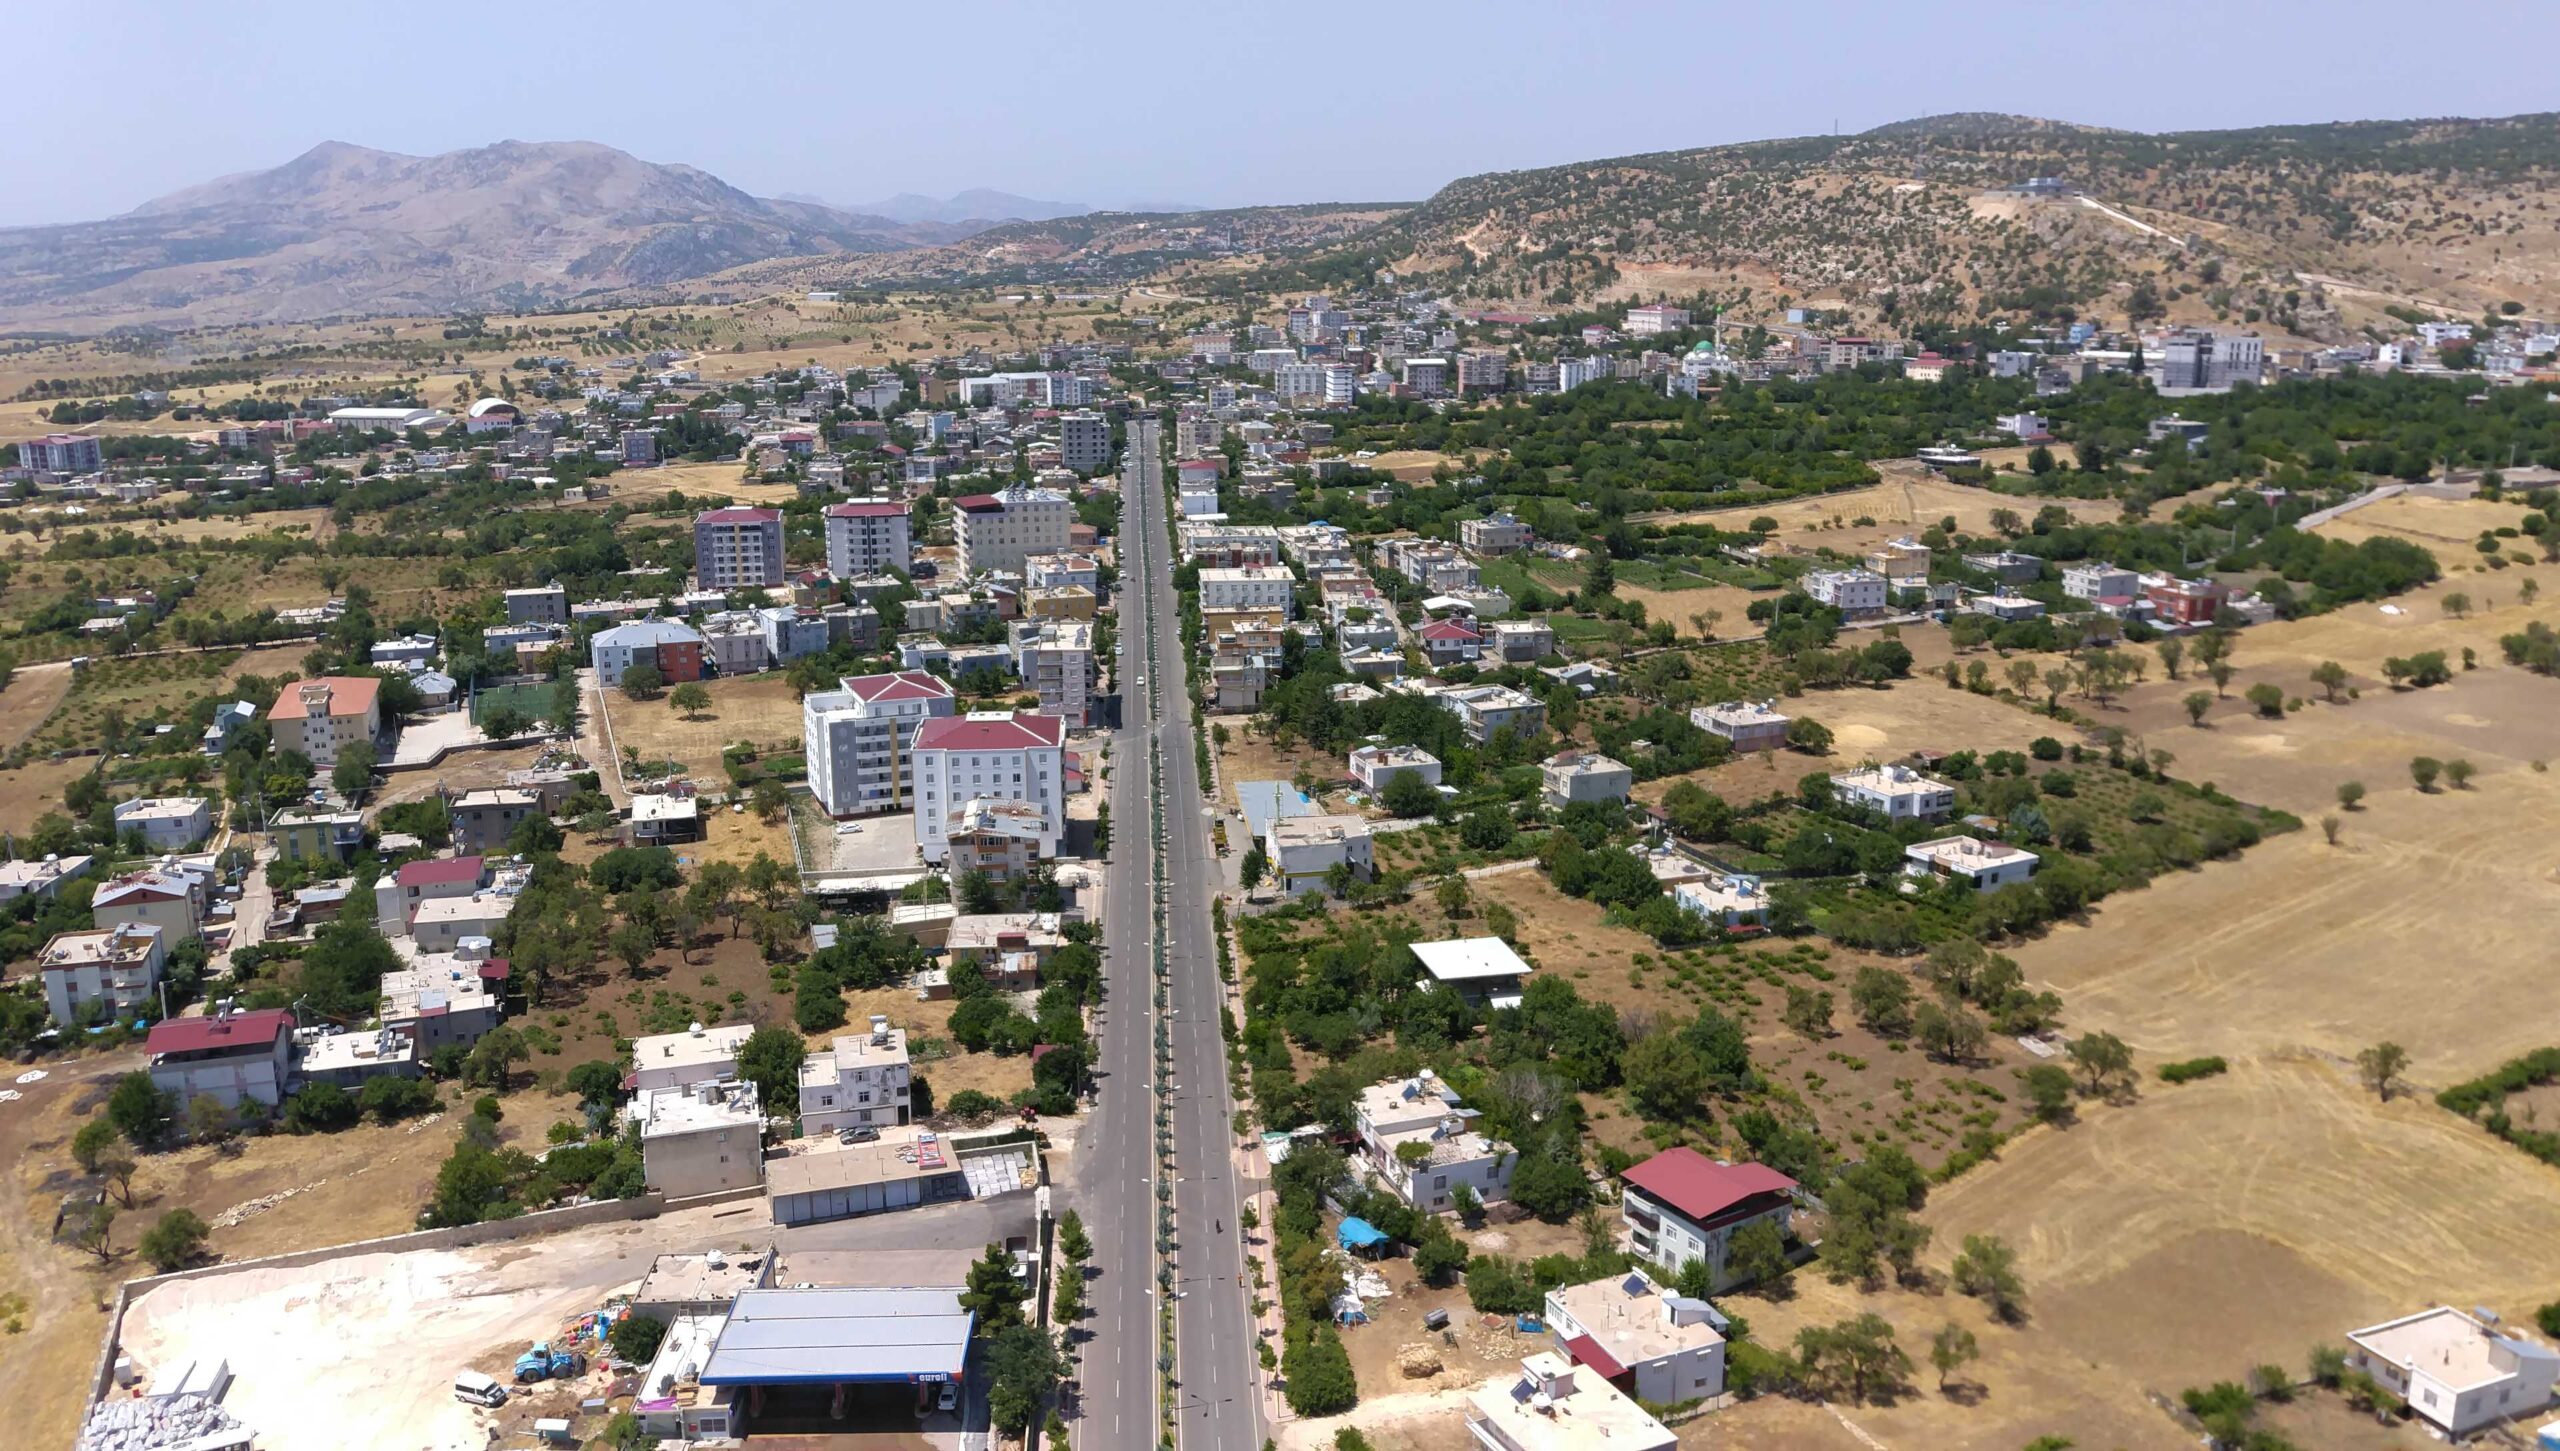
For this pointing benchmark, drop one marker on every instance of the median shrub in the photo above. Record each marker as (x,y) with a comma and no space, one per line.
(2191,1070)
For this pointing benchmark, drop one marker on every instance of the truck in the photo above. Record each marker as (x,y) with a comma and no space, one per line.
(544,1363)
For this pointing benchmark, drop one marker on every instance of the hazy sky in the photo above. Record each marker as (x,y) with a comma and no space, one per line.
(1205,102)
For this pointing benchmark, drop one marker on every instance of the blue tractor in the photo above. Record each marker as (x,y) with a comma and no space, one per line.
(544,1363)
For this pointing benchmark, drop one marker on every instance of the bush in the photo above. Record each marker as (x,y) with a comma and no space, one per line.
(636,1338)
(176,1241)
(319,1108)
(2191,1069)
(392,1099)
(971,1106)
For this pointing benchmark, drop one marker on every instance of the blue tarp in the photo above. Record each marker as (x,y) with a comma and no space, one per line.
(1357,1233)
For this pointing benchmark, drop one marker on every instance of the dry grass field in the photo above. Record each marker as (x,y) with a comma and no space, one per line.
(2445,526)
(758,708)
(1910,499)
(30,699)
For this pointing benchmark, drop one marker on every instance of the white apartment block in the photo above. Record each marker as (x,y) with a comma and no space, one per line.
(700,1138)
(1250,587)
(696,1055)
(1298,382)
(864,1078)
(1055,658)
(1572,373)
(858,739)
(1341,385)
(117,967)
(993,758)
(2098,580)
(1850,591)
(166,823)
(1303,850)
(1897,793)
(1484,709)
(1373,766)
(867,537)
(1500,534)
(1084,442)
(998,531)
(1655,319)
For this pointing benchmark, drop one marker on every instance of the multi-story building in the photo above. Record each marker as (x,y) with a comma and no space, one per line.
(114,967)
(793,631)
(1450,641)
(858,739)
(166,823)
(1298,382)
(696,1055)
(1373,766)
(1484,709)
(1426,377)
(62,453)
(1850,591)
(1249,587)
(991,759)
(323,716)
(1572,373)
(1750,725)
(1482,370)
(1681,1205)
(1498,534)
(998,531)
(173,902)
(1055,658)
(672,647)
(398,895)
(1896,793)
(1304,850)
(1551,1404)
(41,879)
(864,1078)
(2187,601)
(1655,319)
(1660,1347)
(231,1057)
(484,819)
(1572,776)
(1084,442)
(1341,385)
(2096,580)
(700,1138)
(546,604)
(444,1000)
(738,548)
(1424,1146)
(733,642)
(867,536)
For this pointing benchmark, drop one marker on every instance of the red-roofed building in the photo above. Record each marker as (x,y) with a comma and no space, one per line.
(1681,1205)
(2187,601)
(867,537)
(235,1057)
(323,716)
(1451,642)
(999,531)
(990,772)
(859,739)
(738,548)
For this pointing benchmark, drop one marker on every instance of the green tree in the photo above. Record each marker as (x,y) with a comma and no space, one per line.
(1987,1270)
(993,1292)
(1950,1350)
(498,1051)
(1852,1360)
(175,1241)
(2423,770)
(1408,795)
(1440,1255)
(140,1110)
(1549,1184)
(1317,1373)
(2349,793)
(92,1143)
(2048,1090)
(770,1059)
(1665,1076)
(2102,1058)
(2331,677)
(643,682)
(352,776)
(1023,1368)
(1808,1011)
(2197,703)
(2458,773)
(636,1338)
(94,1230)
(1881,999)
(2380,1067)
(2267,698)
(689,698)
(1073,1242)
(1757,1255)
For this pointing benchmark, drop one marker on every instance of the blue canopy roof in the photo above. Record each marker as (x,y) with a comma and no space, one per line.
(1358,1233)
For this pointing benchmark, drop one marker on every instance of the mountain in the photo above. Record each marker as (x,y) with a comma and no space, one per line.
(977,204)
(2305,228)
(345,230)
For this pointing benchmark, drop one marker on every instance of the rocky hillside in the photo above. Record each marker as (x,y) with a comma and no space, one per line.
(344,230)
(2284,226)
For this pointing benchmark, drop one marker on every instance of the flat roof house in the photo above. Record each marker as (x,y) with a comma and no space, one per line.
(1660,1348)
(1553,1406)
(700,1138)
(398,897)
(1483,970)
(1422,1145)
(1731,902)
(1573,776)
(671,1060)
(1986,864)
(1681,1205)
(174,902)
(862,1078)
(484,819)
(167,823)
(1897,793)
(40,878)
(1373,766)
(1750,725)
(2455,1372)
(1302,850)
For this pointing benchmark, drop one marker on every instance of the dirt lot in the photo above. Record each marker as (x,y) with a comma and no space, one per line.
(2445,527)
(1249,755)
(1875,726)
(29,700)
(758,708)
(1910,499)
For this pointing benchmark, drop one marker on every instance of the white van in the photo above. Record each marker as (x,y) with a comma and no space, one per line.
(479,1390)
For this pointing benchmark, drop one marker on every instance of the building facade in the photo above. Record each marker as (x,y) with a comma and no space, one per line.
(990,758)
(868,537)
(858,739)
(738,548)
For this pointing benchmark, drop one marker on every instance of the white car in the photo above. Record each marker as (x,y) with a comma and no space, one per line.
(949,1400)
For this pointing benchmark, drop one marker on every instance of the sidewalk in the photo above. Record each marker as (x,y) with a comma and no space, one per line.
(1250,1167)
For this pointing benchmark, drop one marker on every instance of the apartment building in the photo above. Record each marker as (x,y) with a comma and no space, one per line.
(485,818)
(1249,587)
(867,536)
(228,1056)
(1573,776)
(1374,765)
(1304,850)
(858,739)
(174,902)
(673,648)
(1424,1146)
(2097,580)
(1084,442)
(1662,1348)
(323,716)
(998,531)
(546,604)
(165,823)
(696,1055)
(62,453)
(1897,793)
(700,1138)
(1484,709)
(1055,659)
(1655,319)
(111,969)
(1681,1205)
(738,548)
(864,1078)
(1852,592)
(1749,725)
(990,758)
(1498,534)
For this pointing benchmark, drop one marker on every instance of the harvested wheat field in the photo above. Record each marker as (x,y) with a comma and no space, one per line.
(757,708)
(2300,944)
(30,699)
(1910,499)
(2446,527)
(2244,1218)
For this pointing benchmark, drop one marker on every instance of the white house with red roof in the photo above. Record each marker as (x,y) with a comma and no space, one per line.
(738,548)
(1681,1205)
(397,897)
(1451,642)
(323,716)
(234,1057)
(859,739)
(867,536)
(1009,764)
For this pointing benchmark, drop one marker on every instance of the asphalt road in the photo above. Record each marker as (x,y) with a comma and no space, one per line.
(1217,1377)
